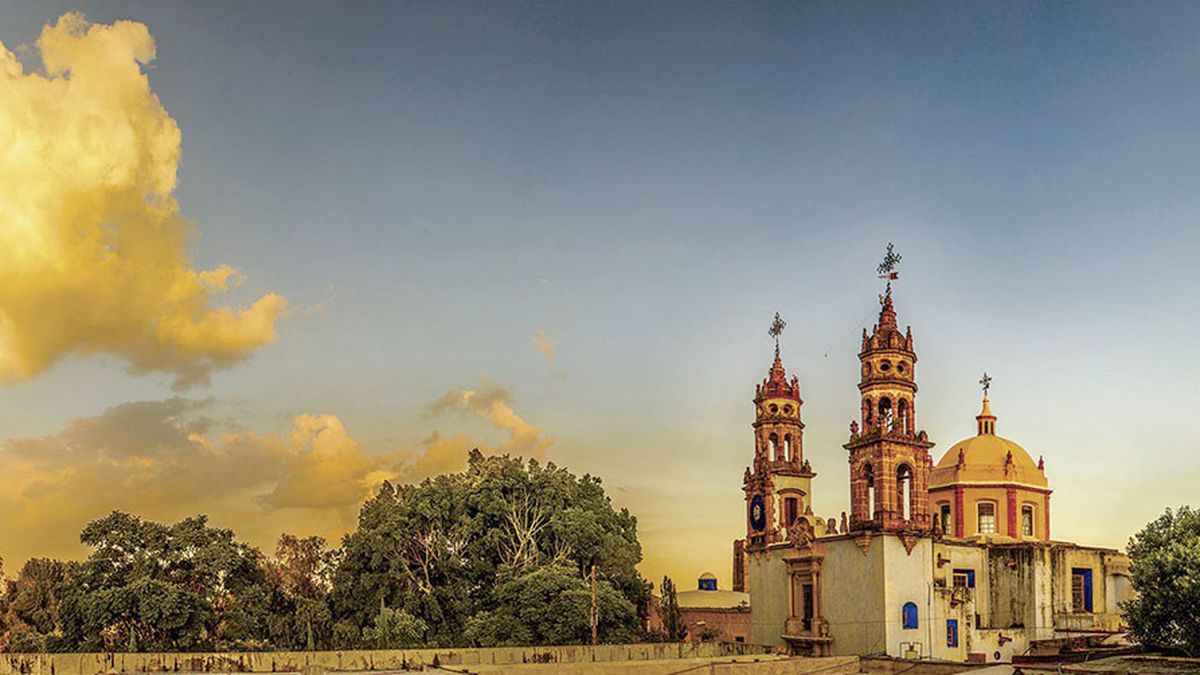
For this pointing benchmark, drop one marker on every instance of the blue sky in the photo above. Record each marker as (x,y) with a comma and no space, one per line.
(436,182)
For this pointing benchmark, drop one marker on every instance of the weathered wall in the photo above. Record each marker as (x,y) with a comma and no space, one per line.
(312,663)
(1105,614)
(761,665)
(852,592)
(963,556)
(1011,599)
(733,624)
(884,665)
(768,578)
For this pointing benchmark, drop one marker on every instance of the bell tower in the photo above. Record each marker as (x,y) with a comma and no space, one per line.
(889,458)
(778,484)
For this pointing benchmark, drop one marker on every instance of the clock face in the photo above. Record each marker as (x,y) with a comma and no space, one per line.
(758,513)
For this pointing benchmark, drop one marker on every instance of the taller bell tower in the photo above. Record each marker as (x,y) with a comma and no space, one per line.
(778,484)
(889,458)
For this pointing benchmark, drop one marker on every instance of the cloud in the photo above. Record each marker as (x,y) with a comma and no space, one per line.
(544,345)
(92,243)
(173,458)
(492,403)
(169,459)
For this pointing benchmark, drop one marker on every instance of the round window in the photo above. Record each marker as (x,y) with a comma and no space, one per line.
(885,366)
(899,367)
(787,410)
(774,408)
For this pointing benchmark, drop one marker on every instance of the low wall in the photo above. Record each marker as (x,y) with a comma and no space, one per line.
(728,665)
(887,665)
(312,663)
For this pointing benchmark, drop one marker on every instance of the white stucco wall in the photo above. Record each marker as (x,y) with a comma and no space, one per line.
(908,578)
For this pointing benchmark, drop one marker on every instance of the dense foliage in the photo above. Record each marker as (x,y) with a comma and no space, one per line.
(1165,557)
(479,556)
(501,554)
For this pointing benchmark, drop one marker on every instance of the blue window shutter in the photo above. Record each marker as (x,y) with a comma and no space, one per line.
(1087,590)
(951,632)
(909,612)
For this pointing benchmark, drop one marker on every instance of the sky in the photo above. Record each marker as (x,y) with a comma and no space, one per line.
(259,257)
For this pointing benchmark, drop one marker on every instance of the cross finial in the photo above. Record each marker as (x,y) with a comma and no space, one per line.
(887,268)
(776,330)
(986,383)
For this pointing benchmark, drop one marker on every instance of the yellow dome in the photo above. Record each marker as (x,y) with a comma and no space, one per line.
(987,457)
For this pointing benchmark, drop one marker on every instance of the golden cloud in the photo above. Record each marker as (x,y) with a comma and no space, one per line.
(92,244)
(492,403)
(544,345)
(169,459)
(158,458)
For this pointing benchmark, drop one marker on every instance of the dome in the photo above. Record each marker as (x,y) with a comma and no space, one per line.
(987,457)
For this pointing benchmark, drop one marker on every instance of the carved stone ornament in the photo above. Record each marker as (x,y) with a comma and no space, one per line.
(863,541)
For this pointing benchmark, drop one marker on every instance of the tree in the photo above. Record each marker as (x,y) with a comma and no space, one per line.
(1165,564)
(668,610)
(300,578)
(30,617)
(458,551)
(395,629)
(149,586)
(552,605)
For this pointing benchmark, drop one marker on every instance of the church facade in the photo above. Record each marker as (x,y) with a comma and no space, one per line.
(949,560)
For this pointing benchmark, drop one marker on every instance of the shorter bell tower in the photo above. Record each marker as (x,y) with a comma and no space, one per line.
(778,484)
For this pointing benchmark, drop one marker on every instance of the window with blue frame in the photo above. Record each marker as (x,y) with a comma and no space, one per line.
(1081,589)
(909,614)
(964,578)
(951,632)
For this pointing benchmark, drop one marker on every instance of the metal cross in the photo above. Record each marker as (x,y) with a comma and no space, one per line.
(776,330)
(987,383)
(887,268)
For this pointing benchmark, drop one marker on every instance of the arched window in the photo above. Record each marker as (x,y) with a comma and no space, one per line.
(987,518)
(869,475)
(1027,520)
(904,492)
(909,614)
(885,413)
(867,412)
(774,442)
(787,448)
(946,524)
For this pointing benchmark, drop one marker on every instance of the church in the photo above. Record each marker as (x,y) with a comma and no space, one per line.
(946,557)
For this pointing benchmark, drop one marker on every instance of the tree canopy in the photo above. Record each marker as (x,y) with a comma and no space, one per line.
(499,554)
(465,552)
(1165,564)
